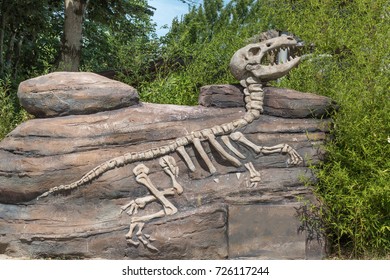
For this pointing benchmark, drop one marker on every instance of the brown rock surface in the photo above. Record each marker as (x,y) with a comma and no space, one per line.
(221,96)
(87,222)
(74,93)
(279,102)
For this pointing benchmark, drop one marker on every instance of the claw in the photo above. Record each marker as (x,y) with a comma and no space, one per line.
(132,242)
(295,158)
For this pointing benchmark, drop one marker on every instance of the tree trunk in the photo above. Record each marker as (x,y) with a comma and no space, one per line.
(18,52)
(71,43)
(10,51)
(2,32)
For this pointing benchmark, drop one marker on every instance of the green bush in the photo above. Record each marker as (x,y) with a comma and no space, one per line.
(354,181)
(11,114)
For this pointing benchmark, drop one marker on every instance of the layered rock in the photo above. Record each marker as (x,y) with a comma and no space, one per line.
(88,222)
(74,93)
(279,102)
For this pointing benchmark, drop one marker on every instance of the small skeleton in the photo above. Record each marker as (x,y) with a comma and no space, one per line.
(247,66)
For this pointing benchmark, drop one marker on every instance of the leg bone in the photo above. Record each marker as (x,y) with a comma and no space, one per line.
(226,141)
(168,163)
(141,202)
(141,172)
(295,158)
(239,137)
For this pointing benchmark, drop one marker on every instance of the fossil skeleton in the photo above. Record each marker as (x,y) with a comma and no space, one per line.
(246,66)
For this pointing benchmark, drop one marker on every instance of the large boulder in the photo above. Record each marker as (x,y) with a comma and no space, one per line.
(74,93)
(219,215)
(280,102)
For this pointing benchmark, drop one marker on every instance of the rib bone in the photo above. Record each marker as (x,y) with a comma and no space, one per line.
(220,150)
(182,151)
(202,153)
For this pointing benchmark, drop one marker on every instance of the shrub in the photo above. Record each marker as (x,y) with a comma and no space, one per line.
(11,114)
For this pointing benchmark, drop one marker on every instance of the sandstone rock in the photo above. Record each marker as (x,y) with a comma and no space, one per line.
(268,232)
(87,222)
(221,96)
(279,102)
(289,103)
(74,93)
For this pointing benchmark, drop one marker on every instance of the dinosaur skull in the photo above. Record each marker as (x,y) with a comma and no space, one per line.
(249,60)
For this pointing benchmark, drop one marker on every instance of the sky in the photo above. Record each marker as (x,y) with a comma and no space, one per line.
(166,10)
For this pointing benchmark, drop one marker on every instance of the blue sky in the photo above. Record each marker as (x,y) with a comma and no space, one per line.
(166,10)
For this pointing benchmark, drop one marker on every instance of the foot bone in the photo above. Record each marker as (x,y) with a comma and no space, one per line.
(255,176)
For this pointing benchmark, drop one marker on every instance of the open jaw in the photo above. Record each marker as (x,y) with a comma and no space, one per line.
(273,65)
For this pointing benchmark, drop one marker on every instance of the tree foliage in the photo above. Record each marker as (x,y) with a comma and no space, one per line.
(32,41)
(355,71)
(32,33)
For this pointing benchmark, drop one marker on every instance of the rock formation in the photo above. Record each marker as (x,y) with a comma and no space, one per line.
(87,223)
(66,93)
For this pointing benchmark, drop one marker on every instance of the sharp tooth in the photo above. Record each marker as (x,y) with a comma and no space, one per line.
(290,58)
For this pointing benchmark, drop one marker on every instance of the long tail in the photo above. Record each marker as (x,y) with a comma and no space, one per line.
(113,163)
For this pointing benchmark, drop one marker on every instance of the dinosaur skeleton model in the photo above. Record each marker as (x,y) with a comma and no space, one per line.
(246,66)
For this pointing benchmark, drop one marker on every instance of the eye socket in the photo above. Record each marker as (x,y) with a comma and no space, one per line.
(269,44)
(254,51)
